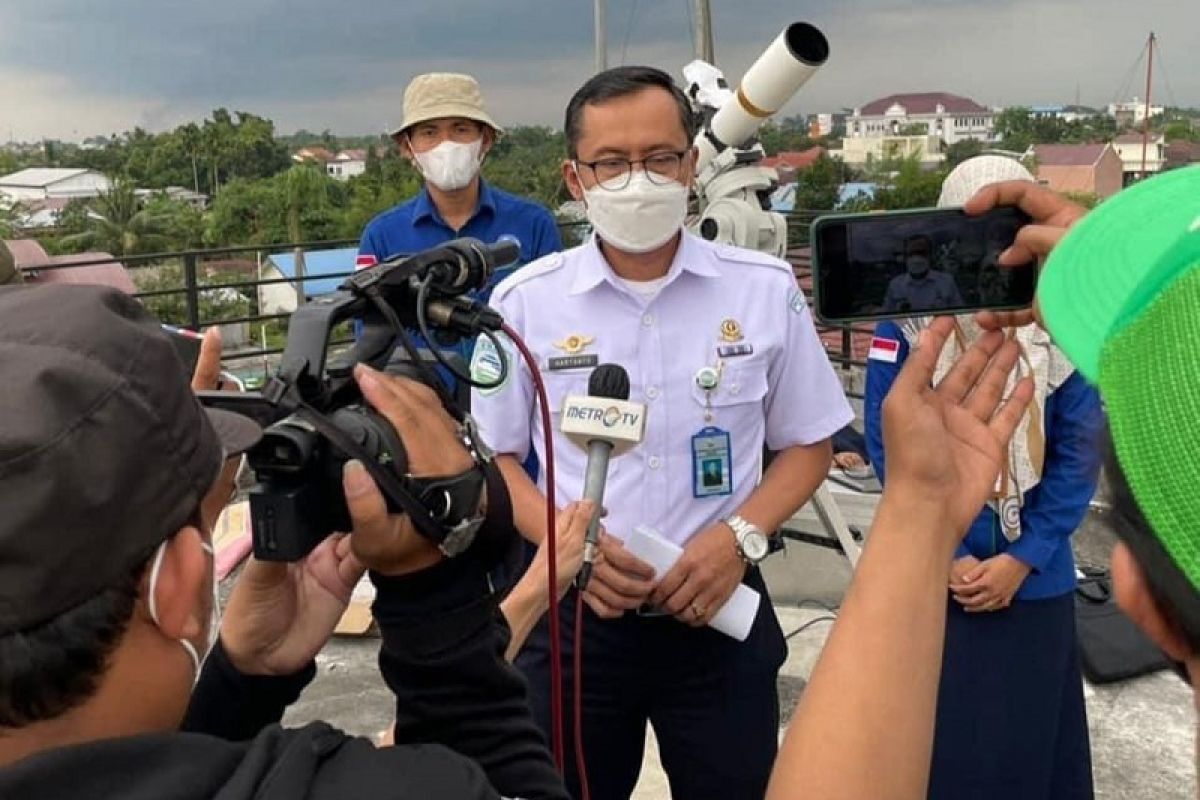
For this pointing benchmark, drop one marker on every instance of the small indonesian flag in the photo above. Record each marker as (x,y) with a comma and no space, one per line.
(884,350)
(365,260)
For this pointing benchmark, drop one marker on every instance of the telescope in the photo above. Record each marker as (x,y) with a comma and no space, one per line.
(732,186)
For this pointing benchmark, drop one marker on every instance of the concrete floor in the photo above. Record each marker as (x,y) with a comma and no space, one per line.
(1142,730)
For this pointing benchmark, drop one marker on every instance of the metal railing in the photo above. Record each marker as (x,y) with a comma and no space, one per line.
(206,279)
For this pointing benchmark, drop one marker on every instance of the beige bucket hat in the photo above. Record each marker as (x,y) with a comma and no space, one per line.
(436,95)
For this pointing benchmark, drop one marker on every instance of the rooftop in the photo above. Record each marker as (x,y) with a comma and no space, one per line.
(924,103)
(39,177)
(318,263)
(1068,155)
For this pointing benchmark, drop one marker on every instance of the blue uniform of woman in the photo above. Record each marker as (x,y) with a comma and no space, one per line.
(1011,721)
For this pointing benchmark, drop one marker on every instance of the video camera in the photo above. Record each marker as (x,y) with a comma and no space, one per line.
(314,419)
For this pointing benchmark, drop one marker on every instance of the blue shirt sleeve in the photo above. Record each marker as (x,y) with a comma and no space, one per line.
(880,377)
(1057,505)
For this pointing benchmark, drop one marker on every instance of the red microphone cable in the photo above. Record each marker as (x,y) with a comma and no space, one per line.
(556,709)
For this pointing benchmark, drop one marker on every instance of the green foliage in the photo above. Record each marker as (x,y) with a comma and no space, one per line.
(904,184)
(1181,130)
(1085,199)
(789,135)
(817,187)
(527,162)
(214,304)
(118,223)
(914,129)
(961,151)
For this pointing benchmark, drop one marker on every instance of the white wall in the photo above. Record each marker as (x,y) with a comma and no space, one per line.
(344,170)
(1131,155)
(275,298)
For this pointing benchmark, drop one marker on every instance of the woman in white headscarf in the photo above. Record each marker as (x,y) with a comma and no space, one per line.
(1011,721)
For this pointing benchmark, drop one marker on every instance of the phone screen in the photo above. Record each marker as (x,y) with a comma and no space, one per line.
(903,264)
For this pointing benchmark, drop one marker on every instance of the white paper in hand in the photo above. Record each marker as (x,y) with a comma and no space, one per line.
(734,619)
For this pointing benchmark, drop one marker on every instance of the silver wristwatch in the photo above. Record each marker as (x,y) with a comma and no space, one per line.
(752,544)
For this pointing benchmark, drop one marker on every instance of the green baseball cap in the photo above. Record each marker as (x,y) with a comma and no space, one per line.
(1121,297)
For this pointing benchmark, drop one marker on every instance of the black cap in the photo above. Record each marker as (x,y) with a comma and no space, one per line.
(104,449)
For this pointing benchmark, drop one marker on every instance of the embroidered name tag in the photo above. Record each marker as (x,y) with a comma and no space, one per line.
(733,350)
(573,362)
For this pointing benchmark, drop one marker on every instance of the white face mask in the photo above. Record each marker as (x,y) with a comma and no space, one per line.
(451,165)
(639,218)
(214,615)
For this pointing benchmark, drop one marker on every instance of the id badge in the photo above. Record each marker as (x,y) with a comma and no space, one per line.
(712,463)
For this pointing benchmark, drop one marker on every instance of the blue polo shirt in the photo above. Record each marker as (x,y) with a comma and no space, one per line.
(417,225)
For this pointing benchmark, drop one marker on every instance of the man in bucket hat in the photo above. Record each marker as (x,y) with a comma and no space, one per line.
(447,133)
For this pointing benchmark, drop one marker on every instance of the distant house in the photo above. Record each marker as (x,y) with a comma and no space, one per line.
(790,162)
(1133,113)
(312,155)
(1064,113)
(827,124)
(1129,148)
(1086,168)
(196,199)
(1182,153)
(324,272)
(346,164)
(948,117)
(44,183)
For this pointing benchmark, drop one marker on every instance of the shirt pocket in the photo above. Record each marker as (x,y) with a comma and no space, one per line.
(742,383)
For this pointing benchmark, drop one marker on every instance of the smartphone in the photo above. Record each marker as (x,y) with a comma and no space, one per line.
(923,262)
(187,344)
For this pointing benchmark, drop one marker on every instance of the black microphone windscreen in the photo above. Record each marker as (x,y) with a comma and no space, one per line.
(609,380)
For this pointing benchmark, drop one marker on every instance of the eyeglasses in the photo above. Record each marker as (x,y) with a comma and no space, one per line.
(613,173)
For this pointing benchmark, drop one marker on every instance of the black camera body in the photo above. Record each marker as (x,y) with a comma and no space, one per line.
(315,420)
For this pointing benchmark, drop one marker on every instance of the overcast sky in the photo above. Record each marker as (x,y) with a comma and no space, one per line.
(73,68)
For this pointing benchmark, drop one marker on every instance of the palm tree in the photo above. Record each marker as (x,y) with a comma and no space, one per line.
(118,224)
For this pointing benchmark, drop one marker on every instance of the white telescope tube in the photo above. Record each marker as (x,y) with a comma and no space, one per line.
(770,82)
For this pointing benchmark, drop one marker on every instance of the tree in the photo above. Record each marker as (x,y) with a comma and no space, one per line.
(214,304)
(817,187)
(117,223)
(909,186)
(961,151)
(915,129)
(1014,126)
(1181,130)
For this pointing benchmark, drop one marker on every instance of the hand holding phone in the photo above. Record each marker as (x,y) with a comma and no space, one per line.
(917,263)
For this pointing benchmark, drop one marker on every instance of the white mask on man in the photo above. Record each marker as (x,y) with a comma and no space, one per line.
(451,165)
(214,615)
(639,218)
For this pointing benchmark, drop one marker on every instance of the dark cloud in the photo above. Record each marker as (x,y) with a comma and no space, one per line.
(344,65)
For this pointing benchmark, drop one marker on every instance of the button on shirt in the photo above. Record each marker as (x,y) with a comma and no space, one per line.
(783,392)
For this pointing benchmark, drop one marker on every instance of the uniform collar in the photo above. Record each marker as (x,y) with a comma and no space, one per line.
(424,209)
(691,256)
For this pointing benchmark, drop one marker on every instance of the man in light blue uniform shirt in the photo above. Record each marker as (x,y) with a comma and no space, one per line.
(447,133)
(719,346)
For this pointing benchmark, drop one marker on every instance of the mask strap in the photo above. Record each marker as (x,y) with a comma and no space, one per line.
(155,569)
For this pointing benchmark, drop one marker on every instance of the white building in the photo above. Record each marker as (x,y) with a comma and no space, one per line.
(1065,113)
(346,164)
(1129,148)
(947,117)
(1132,113)
(857,151)
(49,183)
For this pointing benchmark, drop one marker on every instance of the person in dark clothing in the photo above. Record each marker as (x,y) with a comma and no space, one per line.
(111,477)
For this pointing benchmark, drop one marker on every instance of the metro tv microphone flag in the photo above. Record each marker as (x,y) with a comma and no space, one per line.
(605,424)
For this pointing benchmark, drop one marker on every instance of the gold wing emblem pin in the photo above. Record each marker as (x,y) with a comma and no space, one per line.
(575,343)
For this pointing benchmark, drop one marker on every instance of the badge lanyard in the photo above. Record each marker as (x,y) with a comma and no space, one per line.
(712,452)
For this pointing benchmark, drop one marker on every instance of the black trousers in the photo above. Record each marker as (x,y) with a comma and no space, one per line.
(1011,720)
(712,701)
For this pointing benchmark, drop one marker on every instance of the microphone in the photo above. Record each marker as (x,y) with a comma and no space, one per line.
(456,267)
(605,424)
